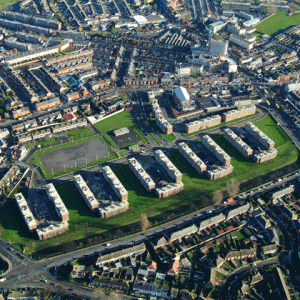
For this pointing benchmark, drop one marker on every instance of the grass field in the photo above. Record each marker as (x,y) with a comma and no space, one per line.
(122,119)
(79,133)
(277,23)
(84,224)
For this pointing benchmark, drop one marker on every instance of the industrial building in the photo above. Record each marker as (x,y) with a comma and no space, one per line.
(192,158)
(215,149)
(169,190)
(115,183)
(26,212)
(265,155)
(141,174)
(259,136)
(164,125)
(202,124)
(121,131)
(219,172)
(86,193)
(168,166)
(239,113)
(237,143)
(60,207)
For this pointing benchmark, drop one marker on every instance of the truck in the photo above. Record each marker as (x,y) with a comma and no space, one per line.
(2,279)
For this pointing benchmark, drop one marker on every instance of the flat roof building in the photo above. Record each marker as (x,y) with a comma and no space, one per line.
(141,174)
(86,193)
(202,124)
(58,203)
(259,136)
(164,125)
(265,155)
(239,113)
(111,208)
(26,212)
(219,172)
(156,108)
(169,167)
(115,183)
(214,148)
(237,143)
(192,158)
(169,190)
(52,230)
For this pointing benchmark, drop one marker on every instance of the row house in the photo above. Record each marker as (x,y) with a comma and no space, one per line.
(47,104)
(70,56)
(20,112)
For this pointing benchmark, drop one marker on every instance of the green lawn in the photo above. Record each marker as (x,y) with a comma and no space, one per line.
(278,22)
(169,137)
(120,120)
(79,133)
(269,126)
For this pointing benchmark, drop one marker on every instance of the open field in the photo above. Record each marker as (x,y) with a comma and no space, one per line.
(79,133)
(37,157)
(197,190)
(278,23)
(120,120)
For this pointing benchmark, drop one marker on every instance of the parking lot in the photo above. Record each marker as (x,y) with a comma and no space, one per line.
(125,139)
(74,156)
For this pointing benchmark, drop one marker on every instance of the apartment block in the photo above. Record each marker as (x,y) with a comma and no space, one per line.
(192,158)
(169,190)
(164,125)
(112,208)
(86,193)
(202,124)
(26,212)
(239,113)
(41,133)
(14,44)
(156,108)
(70,69)
(240,41)
(214,148)
(23,138)
(237,143)
(141,174)
(47,104)
(219,172)
(52,230)
(265,155)
(259,136)
(20,112)
(58,203)
(115,183)
(169,167)
(69,125)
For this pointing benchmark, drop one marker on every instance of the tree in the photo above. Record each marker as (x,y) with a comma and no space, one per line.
(144,222)
(217,197)
(232,187)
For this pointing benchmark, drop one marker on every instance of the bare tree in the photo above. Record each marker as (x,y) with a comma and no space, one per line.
(144,222)
(232,187)
(217,197)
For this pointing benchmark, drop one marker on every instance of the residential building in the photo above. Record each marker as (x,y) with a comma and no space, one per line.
(282,192)
(240,41)
(69,125)
(238,211)
(242,254)
(141,174)
(156,108)
(86,193)
(164,125)
(59,205)
(26,212)
(20,112)
(202,124)
(213,147)
(108,209)
(284,285)
(259,136)
(168,166)
(115,183)
(270,249)
(265,155)
(237,143)
(218,172)
(177,235)
(239,113)
(47,104)
(192,158)
(52,230)
(169,190)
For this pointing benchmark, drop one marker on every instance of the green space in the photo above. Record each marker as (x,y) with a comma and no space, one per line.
(79,133)
(278,23)
(120,120)
(87,229)
(36,157)
(257,35)
(169,137)
(220,125)
(274,131)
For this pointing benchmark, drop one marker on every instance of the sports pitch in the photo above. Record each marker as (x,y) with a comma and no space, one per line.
(277,23)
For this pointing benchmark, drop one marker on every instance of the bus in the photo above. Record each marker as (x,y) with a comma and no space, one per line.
(277,106)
